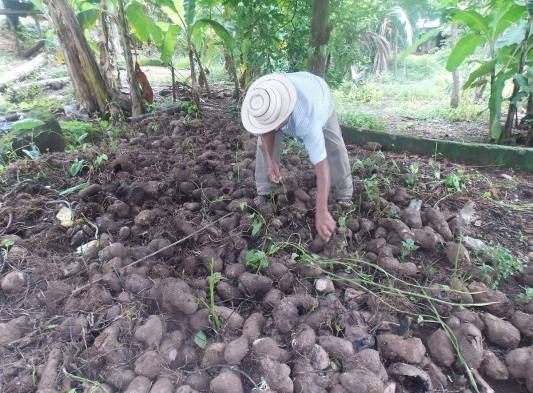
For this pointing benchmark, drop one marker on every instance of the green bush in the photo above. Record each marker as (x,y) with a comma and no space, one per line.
(78,132)
(419,67)
(367,92)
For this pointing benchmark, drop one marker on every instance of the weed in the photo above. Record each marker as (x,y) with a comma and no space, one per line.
(369,92)
(526,296)
(213,279)
(293,147)
(256,259)
(455,181)
(200,339)
(76,167)
(189,106)
(257,224)
(371,188)
(412,177)
(498,264)
(100,159)
(408,246)
(364,121)
(369,163)
(6,244)
(78,132)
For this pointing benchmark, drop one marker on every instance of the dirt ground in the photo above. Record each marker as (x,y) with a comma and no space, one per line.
(101,298)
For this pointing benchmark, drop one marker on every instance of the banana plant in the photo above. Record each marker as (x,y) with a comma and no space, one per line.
(497,31)
(183,20)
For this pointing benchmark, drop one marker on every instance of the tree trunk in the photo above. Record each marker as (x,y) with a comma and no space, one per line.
(107,60)
(454,102)
(194,80)
(511,114)
(529,116)
(480,89)
(229,64)
(320,31)
(137,107)
(203,77)
(89,85)
(173,74)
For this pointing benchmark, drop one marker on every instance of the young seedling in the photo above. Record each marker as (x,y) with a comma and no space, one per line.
(412,178)
(455,181)
(526,296)
(76,167)
(408,246)
(213,279)
(256,260)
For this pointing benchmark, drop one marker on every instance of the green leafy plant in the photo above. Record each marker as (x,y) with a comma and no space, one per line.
(200,339)
(412,177)
(496,29)
(526,296)
(498,264)
(78,132)
(408,247)
(363,121)
(371,188)
(27,124)
(213,279)
(6,244)
(257,224)
(189,106)
(100,159)
(76,167)
(455,181)
(256,259)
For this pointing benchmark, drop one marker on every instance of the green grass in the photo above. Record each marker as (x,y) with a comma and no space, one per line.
(363,121)
(424,95)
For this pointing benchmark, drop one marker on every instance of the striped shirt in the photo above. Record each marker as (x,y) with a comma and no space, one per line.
(313,108)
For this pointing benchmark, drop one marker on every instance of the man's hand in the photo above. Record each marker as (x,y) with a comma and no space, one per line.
(325,224)
(273,172)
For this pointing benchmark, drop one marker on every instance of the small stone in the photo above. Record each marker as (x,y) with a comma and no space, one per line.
(324,285)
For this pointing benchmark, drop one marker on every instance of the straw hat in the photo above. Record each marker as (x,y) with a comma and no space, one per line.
(268,103)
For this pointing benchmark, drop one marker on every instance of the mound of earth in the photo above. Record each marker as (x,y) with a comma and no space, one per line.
(166,273)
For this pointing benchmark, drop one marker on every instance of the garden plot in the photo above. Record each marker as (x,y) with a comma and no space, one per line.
(164,272)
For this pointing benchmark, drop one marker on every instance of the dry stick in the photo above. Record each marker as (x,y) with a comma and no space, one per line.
(80,289)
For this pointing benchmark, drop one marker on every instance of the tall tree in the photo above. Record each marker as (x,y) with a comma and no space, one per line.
(320,31)
(90,87)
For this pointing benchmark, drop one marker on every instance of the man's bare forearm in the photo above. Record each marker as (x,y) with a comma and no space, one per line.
(323,184)
(268,144)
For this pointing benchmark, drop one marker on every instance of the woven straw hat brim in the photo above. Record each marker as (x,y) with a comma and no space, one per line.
(269,101)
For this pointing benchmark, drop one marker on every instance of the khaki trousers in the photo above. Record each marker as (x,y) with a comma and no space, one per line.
(337,156)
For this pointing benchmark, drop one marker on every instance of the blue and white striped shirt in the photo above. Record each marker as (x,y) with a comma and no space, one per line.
(313,108)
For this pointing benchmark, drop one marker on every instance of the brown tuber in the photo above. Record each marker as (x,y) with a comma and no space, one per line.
(393,347)
(226,382)
(14,282)
(500,332)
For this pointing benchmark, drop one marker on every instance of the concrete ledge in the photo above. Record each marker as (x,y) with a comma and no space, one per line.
(520,158)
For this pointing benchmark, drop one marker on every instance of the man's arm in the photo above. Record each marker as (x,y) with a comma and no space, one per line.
(324,223)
